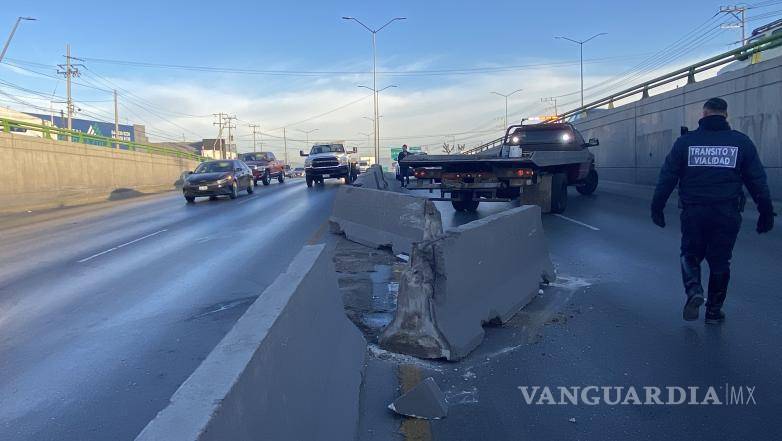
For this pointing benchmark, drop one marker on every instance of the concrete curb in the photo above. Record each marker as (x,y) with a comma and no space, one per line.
(483,271)
(291,368)
(377,218)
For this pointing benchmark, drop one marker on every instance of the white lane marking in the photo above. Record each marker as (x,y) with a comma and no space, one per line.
(123,245)
(248,199)
(577,222)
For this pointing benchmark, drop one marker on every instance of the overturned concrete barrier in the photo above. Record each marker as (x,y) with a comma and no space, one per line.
(483,271)
(378,218)
(377,179)
(290,369)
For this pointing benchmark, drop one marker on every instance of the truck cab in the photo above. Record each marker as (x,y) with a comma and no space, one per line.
(329,161)
(264,166)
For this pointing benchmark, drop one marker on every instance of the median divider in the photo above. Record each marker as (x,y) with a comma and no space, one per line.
(377,218)
(377,179)
(484,271)
(291,368)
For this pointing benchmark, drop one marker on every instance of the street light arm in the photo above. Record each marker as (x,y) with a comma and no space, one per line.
(515,91)
(389,22)
(393,85)
(568,39)
(595,36)
(359,22)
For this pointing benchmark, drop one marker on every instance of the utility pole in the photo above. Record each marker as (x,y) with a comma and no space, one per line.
(739,13)
(230,126)
(219,139)
(551,99)
(116,119)
(70,70)
(506,96)
(285,145)
(580,44)
(254,128)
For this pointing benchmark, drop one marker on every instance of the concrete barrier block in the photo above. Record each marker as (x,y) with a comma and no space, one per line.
(377,179)
(290,369)
(480,272)
(378,218)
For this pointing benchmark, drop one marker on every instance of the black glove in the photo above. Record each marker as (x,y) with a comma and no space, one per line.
(766,219)
(765,222)
(658,217)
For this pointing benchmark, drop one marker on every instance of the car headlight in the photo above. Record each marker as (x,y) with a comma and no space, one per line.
(225,180)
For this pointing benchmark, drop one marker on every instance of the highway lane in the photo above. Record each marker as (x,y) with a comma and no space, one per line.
(624,328)
(104,314)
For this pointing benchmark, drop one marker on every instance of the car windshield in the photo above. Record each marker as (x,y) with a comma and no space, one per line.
(541,136)
(253,157)
(327,148)
(214,167)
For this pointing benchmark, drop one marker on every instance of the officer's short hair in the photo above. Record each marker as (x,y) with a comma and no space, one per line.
(717,105)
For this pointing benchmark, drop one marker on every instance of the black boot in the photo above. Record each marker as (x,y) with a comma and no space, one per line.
(691,277)
(718,290)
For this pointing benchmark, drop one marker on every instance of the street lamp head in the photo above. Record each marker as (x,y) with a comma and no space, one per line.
(347,18)
(28,18)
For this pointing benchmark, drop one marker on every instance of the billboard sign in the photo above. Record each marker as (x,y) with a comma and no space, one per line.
(97,128)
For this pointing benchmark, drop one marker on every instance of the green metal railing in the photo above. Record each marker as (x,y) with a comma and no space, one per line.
(56,133)
(689,72)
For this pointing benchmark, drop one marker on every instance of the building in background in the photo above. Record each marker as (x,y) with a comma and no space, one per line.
(132,133)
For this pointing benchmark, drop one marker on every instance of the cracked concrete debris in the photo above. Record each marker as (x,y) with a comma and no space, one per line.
(425,400)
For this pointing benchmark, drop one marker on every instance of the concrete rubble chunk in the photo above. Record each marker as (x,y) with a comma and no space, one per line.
(377,218)
(426,400)
(481,272)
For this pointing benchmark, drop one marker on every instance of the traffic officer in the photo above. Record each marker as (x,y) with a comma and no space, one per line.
(404,171)
(710,166)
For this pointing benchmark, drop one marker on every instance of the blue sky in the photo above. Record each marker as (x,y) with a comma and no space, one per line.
(310,36)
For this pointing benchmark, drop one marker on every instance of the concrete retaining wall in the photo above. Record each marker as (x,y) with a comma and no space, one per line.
(636,137)
(486,270)
(290,369)
(42,173)
(377,179)
(378,218)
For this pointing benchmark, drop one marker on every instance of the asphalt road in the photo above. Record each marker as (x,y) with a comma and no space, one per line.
(615,320)
(103,314)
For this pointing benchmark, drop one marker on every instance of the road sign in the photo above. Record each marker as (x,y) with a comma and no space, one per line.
(395,151)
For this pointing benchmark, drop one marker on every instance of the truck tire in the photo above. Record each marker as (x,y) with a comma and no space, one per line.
(465,205)
(589,184)
(558,193)
(309,181)
(266,178)
(190,199)
(281,177)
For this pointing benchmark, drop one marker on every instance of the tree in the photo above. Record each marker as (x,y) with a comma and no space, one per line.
(448,148)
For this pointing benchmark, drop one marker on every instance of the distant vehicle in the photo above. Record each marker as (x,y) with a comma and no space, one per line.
(298,172)
(534,163)
(773,29)
(264,167)
(326,161)
(363,166)
(218,178)
(288,172)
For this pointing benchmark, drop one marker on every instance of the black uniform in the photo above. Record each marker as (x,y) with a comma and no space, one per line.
(711,165)
(404,171)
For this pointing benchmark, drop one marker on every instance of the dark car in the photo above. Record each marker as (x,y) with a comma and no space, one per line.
(218,178)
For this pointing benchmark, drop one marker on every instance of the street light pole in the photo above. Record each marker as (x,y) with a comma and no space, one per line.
(506,96)
(374,75)
(580,44)
(10,36)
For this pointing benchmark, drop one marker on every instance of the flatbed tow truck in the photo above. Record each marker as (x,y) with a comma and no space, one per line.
(532,163)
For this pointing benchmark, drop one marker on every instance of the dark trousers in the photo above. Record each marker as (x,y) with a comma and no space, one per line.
(709,232)
(404,173)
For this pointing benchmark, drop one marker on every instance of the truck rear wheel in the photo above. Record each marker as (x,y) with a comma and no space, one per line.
(589,184)
(559,193)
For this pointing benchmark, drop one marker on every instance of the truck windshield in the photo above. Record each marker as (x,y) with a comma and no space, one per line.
(252,157)
(327,148)
(540,136)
